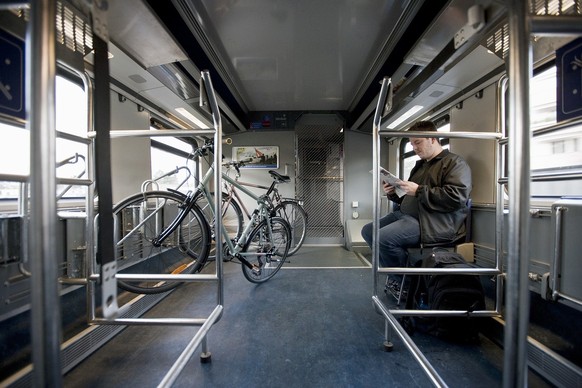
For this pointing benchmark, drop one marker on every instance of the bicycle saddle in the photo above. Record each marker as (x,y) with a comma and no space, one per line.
(278,177)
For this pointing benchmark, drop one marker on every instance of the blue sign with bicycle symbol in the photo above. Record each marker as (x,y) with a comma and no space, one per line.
(11,76)
(569,68)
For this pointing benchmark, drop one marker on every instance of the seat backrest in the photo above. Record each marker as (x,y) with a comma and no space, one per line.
(468,221)
(462,246)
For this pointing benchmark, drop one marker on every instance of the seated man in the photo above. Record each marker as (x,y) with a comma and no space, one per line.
(432,211)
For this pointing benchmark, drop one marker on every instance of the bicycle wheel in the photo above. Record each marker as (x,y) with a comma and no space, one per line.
(294,214)
(232,218)
(232,215)
(266,252)
(141,218)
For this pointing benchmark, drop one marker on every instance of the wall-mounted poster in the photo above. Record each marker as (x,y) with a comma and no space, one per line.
(257,156)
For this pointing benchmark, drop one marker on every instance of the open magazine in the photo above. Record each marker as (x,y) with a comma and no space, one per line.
(388,177)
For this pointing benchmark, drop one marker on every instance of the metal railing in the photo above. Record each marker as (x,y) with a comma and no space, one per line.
(205,324)
(521,25)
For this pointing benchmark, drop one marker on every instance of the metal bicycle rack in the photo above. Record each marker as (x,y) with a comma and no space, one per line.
(45,320)
(521,25)
(390,314)
(204,323)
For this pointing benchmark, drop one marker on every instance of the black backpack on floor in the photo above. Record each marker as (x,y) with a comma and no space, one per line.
(446,292)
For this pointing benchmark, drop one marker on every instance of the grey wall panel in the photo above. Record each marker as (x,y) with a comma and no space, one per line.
(130,156)
(568,242)
(285,140)
(477,115)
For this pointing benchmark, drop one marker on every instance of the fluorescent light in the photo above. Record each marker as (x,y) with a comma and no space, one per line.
(405,116)
(191,117)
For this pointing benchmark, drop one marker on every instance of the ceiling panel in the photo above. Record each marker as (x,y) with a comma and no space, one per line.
(304,54)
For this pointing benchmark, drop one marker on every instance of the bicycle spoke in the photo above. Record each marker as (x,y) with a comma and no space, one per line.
(266,250)
(139,220)
(294,214)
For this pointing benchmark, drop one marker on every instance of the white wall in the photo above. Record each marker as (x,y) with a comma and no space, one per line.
(131,154)
(477,115)
(357,164)
(357,178)
(285,140)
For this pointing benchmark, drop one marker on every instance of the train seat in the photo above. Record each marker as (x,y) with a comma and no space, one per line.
(463,246)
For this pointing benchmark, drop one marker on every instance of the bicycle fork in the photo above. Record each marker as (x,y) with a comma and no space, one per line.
(239,245)
(184,209)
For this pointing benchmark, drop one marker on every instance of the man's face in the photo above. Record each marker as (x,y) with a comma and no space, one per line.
(423,147)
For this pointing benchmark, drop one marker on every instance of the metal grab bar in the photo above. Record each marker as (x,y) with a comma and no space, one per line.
(556,267)
(439,271)
(458,135)
(206,324)
(432,374)
(151,133)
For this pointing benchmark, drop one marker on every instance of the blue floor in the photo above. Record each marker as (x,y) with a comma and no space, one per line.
(303,328)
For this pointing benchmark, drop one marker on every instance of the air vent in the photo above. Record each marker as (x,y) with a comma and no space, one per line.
(555,7)
(498,42)
(72,30)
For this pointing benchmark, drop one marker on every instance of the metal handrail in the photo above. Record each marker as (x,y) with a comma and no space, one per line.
(205,323)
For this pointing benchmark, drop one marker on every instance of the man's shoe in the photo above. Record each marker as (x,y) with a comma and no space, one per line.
(393,287)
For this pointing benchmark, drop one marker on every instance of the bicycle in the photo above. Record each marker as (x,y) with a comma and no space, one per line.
(162,232)
(288,208)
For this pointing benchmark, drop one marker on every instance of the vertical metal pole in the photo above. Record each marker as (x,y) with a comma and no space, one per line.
(499,200)
(517,296)
(386,85)
(40,97)
(90,263)
(206,83)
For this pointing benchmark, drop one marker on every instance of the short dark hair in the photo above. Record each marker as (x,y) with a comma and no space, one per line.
(423,126)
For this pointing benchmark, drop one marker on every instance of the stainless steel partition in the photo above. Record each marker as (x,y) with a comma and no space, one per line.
(40,254)
(205,324)
(523,20)
(390,314)
(45,314)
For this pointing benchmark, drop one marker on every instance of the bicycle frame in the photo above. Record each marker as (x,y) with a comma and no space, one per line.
(262,212)
(233,193)
(274,199)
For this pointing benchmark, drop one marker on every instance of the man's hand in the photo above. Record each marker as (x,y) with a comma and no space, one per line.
(388,189)
(409,187)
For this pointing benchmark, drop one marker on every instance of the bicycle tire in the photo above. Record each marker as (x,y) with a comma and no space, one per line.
(296,216)
(141,218)
(232,218)
(272,251)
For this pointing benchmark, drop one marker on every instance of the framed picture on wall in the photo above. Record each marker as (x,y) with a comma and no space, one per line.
(257,156)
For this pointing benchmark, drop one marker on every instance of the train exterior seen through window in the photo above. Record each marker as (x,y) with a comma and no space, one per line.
(127,127)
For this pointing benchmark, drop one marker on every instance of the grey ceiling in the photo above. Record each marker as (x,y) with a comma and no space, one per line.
(301,55)
(285,55)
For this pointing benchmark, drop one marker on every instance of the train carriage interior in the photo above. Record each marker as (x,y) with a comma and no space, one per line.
(115,113)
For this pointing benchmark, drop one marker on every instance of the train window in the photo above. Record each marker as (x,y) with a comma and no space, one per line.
(556,151)
(543,99)
(71,118)
(167,154)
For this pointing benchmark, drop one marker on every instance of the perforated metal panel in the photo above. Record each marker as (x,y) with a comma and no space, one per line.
(498,41)
(319,180)
(555,7)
